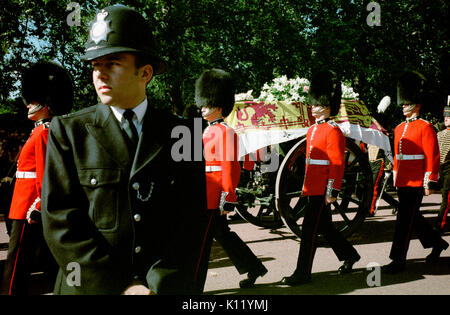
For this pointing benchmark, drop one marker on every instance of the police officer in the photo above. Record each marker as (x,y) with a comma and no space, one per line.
(444,170)
(214,94)
(47,90)
(325,147)
(416,166)
(120,214)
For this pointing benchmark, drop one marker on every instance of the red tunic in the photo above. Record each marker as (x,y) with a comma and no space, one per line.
(416,160)
(325,149)
(222,165)
(30,171)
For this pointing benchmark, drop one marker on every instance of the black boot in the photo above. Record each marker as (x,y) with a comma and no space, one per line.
(436,252)
(394,267)
(296,279)
(347,266)
(251,277)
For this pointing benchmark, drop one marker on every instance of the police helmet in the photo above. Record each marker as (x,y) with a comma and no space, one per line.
(117,29)
(215,88)
(325,90)
(411,88)
(48,84)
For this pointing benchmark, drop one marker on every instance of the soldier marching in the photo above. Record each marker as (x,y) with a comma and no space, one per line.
(47,91)
(106,177)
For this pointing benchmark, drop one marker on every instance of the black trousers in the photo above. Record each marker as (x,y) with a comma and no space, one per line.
(318,219)
(239,253)
(27,253)
(409,219)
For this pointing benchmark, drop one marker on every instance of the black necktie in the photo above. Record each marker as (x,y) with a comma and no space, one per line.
(129,127)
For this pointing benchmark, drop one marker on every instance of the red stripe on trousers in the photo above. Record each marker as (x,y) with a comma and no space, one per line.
(375,189)
(203,246)
(15,261)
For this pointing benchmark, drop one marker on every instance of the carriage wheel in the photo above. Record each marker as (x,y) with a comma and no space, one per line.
(256,205)
(353,202)
(265,216)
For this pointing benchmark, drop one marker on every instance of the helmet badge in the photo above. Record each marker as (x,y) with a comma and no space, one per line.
(100,29)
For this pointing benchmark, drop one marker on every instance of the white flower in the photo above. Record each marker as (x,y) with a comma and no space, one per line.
(244,96)
(279,87)
(284,89)
(295,95)
(347,92)
(263,95)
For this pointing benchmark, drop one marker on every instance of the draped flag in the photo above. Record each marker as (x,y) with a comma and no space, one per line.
(261,124)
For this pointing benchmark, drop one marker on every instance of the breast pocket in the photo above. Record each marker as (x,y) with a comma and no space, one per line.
(102,187)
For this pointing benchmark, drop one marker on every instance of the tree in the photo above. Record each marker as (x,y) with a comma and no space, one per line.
(255,40)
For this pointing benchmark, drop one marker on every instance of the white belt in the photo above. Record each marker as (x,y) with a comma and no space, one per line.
(213,168)
(317,162)
(410,156)
(20,174)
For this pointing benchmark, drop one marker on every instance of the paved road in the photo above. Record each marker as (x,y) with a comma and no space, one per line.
(278,250)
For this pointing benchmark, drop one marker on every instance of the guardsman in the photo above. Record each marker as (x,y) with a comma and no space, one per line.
(444,170)
(325,148)
(214,94)
(416,166)
(47,90)
(122,210)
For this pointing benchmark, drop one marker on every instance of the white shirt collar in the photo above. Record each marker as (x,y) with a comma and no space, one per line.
(138,110)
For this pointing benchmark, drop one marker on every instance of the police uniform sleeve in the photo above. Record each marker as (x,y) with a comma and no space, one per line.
(231,170)
(70,235)
(335,151)
(432,157)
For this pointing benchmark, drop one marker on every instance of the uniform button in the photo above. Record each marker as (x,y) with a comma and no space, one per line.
(135,186)
(137,217)
(138,249)
(93,181)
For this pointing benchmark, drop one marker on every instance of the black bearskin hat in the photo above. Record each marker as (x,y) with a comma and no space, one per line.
(411,88)
(215,88)
(326,90)
(48,84)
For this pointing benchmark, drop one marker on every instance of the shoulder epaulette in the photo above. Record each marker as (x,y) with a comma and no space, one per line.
(332,123)
(424,120)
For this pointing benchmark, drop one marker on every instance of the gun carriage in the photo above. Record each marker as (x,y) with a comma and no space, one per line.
(272,150)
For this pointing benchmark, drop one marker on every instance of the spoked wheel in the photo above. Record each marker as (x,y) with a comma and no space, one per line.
(353,202)
(263,215)
(256,200)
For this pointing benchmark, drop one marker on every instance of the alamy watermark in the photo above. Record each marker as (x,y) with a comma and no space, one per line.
(73,278)
(373,279)
(374,17)
(74,17)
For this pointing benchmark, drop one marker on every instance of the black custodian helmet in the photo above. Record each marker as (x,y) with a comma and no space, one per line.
(411,88)
(325,90)
(215,88)
(48,84)
(117,29)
